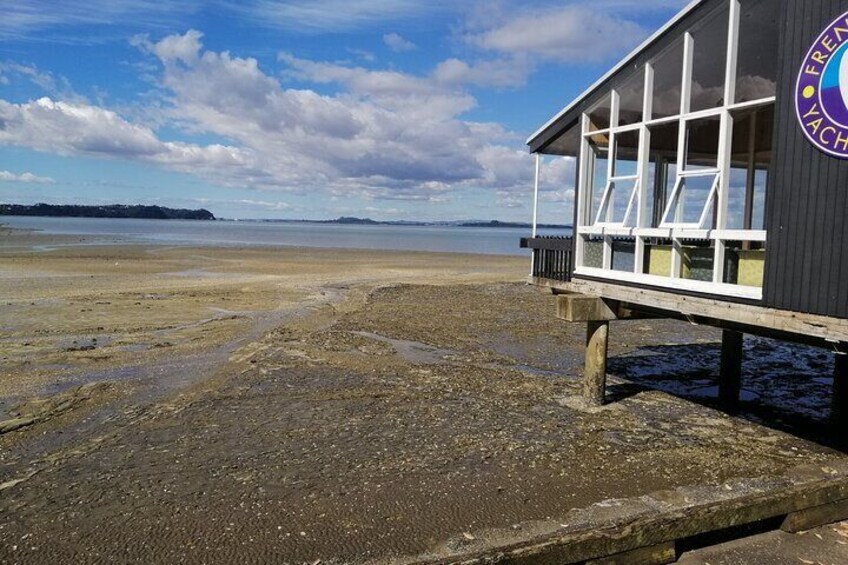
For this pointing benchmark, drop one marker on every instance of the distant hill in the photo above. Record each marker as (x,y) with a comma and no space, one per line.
(110,211)
(461,223)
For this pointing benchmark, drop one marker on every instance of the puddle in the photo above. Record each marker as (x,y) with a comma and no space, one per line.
(413,352)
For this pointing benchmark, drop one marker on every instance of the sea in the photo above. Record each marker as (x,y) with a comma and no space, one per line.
(452,239)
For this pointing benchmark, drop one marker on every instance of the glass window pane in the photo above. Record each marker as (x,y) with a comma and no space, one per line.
(756,75)
(631,99)
(599,114)
(702,143)
(709,61)
(615,211)
(626,153)
(600,157)
(744,263)
(664,140)
(593,253)
(697,264)
(623,255)
(750,160)
(691,200)
(658,258)
(668,79)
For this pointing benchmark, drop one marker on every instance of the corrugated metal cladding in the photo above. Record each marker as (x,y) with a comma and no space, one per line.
(807,197)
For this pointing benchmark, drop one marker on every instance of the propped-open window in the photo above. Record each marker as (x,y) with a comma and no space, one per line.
(692,202)
(621,193)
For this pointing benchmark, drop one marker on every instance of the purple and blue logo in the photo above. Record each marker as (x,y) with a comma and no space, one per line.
(821,96)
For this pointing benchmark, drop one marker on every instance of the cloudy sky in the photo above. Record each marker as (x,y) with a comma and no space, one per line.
(392,109)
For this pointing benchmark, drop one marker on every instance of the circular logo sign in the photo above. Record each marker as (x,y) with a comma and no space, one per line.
(821,95)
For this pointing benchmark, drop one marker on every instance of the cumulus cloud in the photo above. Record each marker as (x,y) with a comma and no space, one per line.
(397,43)
(385,135)
(29,178)
(82,129)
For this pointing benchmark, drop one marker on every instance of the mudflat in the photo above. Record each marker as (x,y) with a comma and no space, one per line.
(225,405)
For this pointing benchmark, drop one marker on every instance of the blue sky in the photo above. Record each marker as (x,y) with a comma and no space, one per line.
(391,109)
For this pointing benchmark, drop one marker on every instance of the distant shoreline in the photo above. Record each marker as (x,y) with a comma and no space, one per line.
(138,212)
(121,211)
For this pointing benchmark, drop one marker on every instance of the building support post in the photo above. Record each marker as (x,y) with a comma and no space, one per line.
(595,372)
(730,375)
(534,230)
(839,403)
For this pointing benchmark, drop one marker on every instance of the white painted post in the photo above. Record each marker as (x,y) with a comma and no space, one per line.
(536,193)
(535,210)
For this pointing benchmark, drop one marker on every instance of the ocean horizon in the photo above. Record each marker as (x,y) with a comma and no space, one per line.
(285,233)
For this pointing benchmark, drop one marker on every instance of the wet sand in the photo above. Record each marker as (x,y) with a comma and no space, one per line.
(254,405)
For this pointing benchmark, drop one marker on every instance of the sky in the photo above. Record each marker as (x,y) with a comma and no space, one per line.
(313,109)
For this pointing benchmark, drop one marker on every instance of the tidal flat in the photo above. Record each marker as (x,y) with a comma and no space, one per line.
(224,405)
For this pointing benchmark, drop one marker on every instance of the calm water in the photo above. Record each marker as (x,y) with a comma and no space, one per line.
(490,241)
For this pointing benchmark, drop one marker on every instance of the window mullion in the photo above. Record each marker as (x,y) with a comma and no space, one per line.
(685,105)
(613,151)
(726,140)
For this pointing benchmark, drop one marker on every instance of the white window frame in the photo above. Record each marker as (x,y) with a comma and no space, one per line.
(635,222)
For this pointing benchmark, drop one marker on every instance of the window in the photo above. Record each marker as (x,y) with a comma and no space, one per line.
(709,60)
(619,200)
(632,99)
(653,211)
(750,161)
(600,113)
(664,140)
(668,77)
(599,171)
(692,202)
(756,71)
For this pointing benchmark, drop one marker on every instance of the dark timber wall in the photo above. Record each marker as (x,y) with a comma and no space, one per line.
(807,198)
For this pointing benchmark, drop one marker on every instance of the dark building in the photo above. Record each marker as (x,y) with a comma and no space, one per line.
(712,177)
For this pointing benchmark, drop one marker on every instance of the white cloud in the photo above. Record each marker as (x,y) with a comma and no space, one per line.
(397,43)
(385,136)
(56,86)
(81,129)
(24,19)
(29,178)
(335,15)
(571,33)
(498,72)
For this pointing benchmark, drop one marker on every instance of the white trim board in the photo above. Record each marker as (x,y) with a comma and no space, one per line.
(727,290)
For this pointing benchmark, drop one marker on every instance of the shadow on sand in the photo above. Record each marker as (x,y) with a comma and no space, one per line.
(785,386)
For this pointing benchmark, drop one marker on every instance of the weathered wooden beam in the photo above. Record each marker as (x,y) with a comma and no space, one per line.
(595,371)
(705,310)
(660,554)
(583,308)
(730,375)
(814,517)
(839,401)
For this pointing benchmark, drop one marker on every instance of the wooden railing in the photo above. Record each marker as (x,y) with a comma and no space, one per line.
(552,256)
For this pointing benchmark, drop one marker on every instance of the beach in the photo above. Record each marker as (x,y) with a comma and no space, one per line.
(163,404)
